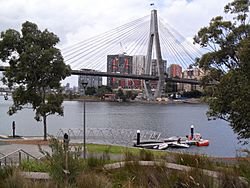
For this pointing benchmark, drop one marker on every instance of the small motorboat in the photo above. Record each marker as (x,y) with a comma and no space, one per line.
(202,143)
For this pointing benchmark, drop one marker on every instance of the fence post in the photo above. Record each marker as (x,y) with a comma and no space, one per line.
(13,129)
(20,157)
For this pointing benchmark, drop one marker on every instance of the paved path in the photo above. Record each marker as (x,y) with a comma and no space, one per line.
(6,148)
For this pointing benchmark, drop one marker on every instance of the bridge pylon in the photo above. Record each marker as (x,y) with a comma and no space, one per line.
(154,38)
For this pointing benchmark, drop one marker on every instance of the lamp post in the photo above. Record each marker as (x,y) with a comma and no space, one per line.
(84,85)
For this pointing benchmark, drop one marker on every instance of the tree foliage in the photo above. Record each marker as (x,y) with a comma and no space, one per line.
(121,95)
(228,64)
(91,91)
(36,68)
(102,90)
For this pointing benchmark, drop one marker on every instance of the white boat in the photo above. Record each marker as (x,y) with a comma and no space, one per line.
(171,139)
(175,139)
(178,145)
(163,146)
(148,146)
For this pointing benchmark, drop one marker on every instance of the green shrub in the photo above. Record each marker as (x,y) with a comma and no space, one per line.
(192,179)
(231,179)
(129,156)
(92,180)
(146,155)
(57,163)
(134,175)
(34,166)
(5,172)
(14,181)
(243,169)
(94,160)
(198,161)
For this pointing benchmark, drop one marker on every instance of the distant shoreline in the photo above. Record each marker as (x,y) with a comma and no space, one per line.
(171,101)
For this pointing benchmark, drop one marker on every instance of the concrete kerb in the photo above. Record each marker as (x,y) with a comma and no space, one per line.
(36,175)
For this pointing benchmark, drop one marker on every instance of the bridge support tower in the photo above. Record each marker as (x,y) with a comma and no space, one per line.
(154,38)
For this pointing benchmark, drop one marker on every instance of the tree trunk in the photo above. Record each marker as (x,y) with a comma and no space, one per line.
(44,128)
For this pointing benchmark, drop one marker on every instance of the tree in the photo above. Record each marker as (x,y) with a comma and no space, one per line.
(35,70)
(192,94)
(228,67)
(120,95)
(102,90)
(90,91)
(130,95)
(170,87)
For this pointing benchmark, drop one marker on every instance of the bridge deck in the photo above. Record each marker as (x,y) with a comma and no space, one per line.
(132,76)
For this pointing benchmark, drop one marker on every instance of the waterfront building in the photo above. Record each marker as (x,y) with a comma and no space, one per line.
(122,64)
(192,73)
(174,71)
(93,81)
(138,63)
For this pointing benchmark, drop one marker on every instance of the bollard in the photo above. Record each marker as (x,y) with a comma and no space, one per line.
(13,129)
(138,137)
(66,141)
(66,147)
(192,131)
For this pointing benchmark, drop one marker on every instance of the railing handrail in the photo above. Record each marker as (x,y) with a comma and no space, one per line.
(17,151)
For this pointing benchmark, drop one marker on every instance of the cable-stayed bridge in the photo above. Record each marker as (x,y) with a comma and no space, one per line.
(148,36)
(132,39)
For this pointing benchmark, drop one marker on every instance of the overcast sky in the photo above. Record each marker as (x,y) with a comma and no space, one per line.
(76,20)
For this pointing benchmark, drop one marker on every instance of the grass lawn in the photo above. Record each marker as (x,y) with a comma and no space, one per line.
(113,149)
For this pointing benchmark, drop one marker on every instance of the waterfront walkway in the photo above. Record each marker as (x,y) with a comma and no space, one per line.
(9,146)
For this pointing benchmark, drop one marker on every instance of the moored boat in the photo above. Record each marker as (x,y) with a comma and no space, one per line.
(178,145)
(202,143)
(163,146)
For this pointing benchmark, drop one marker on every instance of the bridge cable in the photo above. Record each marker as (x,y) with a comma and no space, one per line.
(108,41)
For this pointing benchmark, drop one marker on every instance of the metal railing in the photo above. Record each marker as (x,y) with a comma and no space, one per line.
(1,154)
(15,158)
(108,135)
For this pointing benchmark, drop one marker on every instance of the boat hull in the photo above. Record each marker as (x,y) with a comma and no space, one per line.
(202,143)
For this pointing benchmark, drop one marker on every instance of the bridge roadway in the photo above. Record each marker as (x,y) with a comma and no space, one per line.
(132,76)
